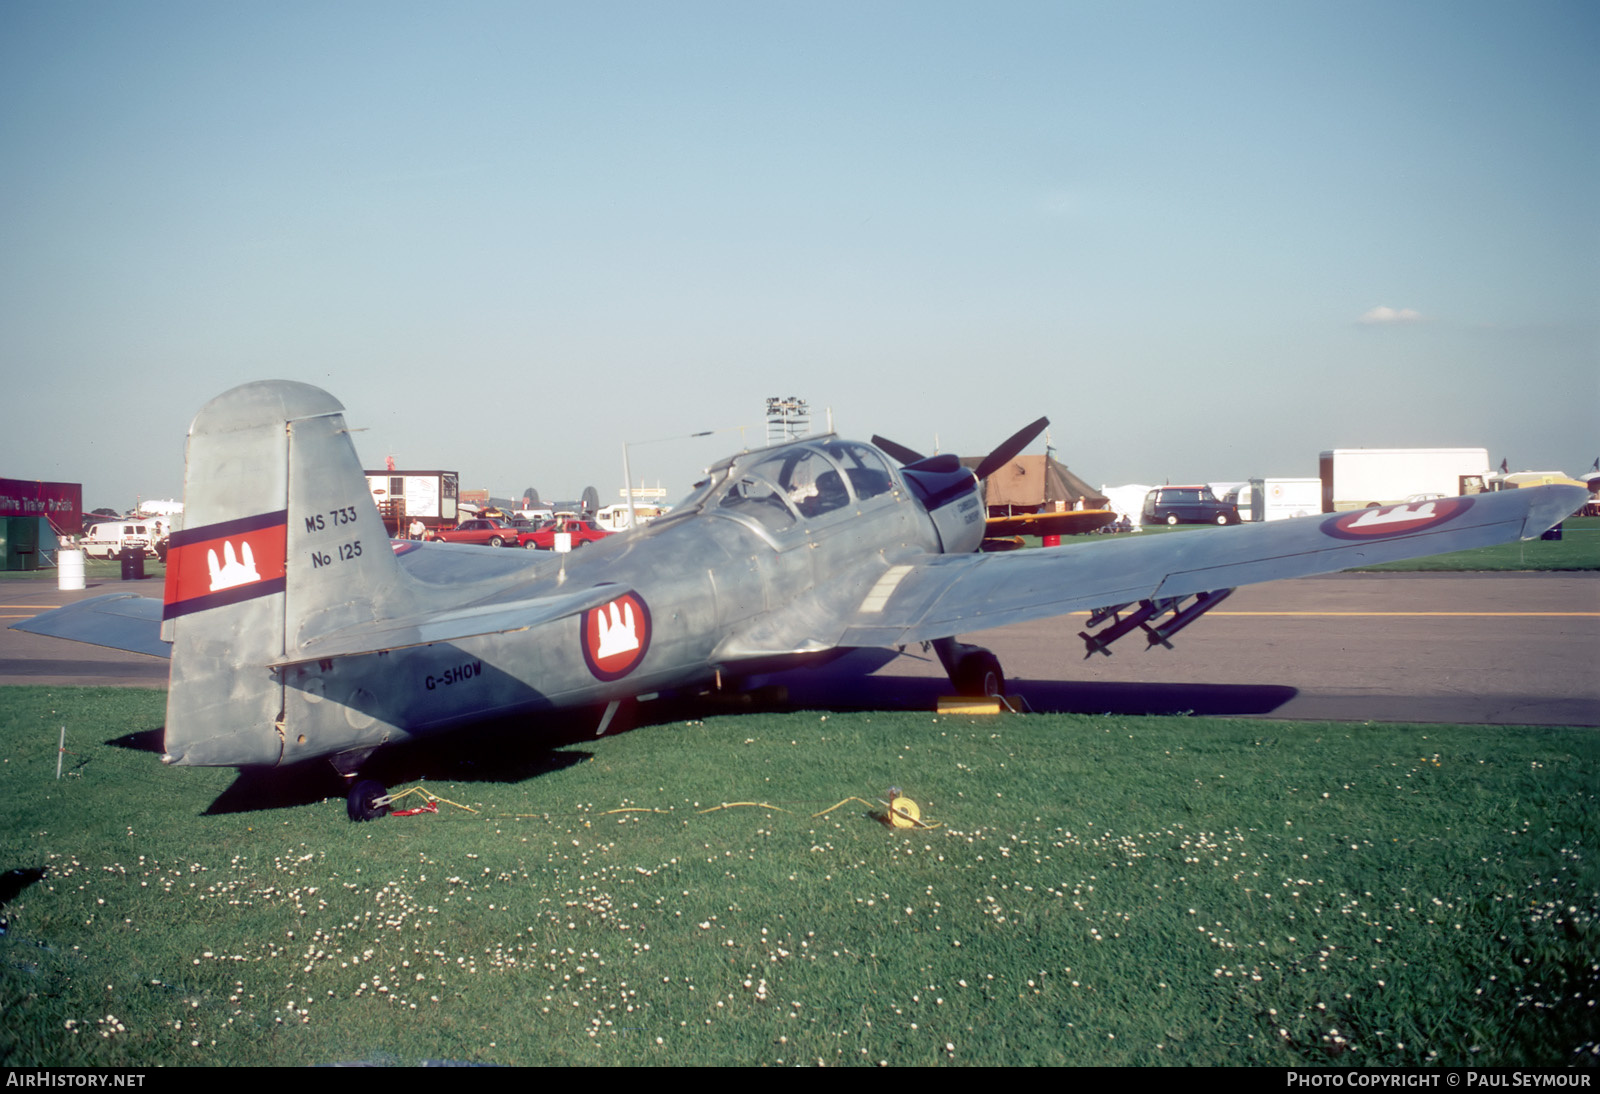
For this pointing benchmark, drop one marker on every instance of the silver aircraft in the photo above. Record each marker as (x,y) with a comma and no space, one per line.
(296,629)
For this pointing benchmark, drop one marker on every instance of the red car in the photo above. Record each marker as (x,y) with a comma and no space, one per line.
(486,532)
(583,531)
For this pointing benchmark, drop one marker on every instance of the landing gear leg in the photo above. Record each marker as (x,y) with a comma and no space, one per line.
(972,669)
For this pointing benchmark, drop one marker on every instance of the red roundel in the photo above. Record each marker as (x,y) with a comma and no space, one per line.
(616,636)
(1395,520)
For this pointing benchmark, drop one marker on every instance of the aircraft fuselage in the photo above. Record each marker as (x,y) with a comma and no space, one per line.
(693,587)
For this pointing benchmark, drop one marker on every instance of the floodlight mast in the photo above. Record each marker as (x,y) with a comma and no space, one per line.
(788,417)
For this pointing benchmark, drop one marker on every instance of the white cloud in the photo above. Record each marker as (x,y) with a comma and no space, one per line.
(1385,314)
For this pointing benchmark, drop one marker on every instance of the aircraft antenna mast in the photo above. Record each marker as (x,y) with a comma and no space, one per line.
(788,417)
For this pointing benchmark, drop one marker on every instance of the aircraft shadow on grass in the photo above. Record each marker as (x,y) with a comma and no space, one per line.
(517,749)
(144,740)
(856,682)
(492,754)
(507,752)
(13,883)
(496,752)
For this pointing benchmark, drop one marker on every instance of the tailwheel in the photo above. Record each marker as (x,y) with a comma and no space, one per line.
(978,674)
(368,800)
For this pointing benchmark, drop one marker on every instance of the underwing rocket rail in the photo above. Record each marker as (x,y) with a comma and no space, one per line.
(1145,618)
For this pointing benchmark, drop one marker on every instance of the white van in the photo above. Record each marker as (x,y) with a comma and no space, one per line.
(107,539)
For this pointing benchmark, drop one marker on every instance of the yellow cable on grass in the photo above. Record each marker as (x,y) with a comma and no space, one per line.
(901,812)
(430,797)
(847,801)
(730,805)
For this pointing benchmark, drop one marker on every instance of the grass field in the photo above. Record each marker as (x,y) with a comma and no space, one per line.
(1577,549)
(1097,891)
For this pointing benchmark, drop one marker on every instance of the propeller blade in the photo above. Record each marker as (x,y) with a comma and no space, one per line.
(1003,455)
(898,451)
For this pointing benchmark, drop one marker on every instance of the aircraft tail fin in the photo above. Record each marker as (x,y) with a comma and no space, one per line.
(281,539)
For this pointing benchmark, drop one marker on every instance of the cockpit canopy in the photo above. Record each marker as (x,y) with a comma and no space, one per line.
(794,484)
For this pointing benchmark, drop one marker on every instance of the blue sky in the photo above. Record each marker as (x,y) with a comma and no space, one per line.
(1208,239)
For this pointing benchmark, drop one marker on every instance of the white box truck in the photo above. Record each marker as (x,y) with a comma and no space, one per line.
(1359,478)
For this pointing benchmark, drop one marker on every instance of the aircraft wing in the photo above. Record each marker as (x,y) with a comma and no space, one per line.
(935,596)
(119,621)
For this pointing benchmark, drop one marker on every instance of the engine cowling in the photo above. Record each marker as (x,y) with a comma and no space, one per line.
(953,498)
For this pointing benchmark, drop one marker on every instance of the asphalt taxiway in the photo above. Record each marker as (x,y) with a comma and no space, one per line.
(1490,649)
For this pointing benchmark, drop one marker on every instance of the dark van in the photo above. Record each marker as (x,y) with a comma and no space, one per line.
(1187,505)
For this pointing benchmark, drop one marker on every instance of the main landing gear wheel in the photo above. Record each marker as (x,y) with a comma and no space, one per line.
(367,800)
(973,670)
(978,675)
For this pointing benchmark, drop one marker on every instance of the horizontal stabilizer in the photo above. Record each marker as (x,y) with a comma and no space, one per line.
(118,621)
(449,626)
